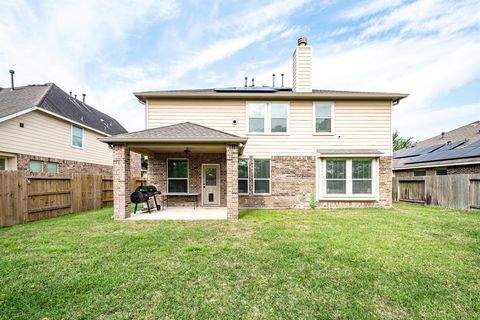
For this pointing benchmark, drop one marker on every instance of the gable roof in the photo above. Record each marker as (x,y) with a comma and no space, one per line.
(263,92)
(458,146)
(53,100)
(181,132)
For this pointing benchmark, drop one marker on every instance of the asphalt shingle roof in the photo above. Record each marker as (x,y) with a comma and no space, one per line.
(53,99)
(469,133)
(181,131)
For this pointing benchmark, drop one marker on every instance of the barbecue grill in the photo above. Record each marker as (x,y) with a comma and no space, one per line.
(142,194)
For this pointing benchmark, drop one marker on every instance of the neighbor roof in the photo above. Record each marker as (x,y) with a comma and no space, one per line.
(53,100)
(461,145)
(267,93)
(181,132)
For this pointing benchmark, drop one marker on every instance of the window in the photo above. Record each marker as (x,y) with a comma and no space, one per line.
(323,117)
(278,117)
(419,173)
(3,164)
(256,117)
(52,167)
(36,166)
(441,172)
(336,176)
(267,117)
(77,136)
(177,175)
(261,176)
(349,177)
(361,176)
(243,176)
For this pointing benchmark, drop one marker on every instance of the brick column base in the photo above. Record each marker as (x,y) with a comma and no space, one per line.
(121,182)
(232,182)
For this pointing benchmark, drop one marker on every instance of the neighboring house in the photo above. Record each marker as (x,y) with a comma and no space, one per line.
(453,152)
(268,147)
(44,129)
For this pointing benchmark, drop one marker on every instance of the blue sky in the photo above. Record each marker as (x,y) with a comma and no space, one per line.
(108,49)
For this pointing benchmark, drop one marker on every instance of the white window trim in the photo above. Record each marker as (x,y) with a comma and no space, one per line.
(269,180)
(71,137)
(188,174)
(332,117)
(349,195)
(247,178)
(267,122)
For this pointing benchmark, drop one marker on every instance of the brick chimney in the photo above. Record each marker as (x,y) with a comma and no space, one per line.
(302,67)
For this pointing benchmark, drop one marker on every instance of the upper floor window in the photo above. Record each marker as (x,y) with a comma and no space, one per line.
(3,164)
(77,136)
(323,117)
(267,117)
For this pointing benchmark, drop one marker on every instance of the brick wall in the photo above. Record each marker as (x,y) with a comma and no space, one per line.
(465,169)
(65,166)
(69,166)
(121,182)
(293,179)
(157,174)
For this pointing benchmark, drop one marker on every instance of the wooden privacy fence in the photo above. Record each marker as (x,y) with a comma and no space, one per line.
(26,197)
(460,191)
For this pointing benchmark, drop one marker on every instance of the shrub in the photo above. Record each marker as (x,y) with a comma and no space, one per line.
(313,200)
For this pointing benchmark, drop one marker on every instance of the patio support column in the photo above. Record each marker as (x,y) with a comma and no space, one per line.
(232,182)
(121,182)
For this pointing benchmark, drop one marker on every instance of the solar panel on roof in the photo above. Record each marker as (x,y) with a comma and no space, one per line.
(475,144)
(413,152)
(452,145)
(466,152)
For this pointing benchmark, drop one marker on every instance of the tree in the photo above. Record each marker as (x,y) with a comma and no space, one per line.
(400,142)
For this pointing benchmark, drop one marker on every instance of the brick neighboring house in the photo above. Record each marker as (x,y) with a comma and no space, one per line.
(453,152)
(264,147)
(44,129)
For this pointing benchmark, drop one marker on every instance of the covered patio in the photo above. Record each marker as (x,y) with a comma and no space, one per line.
(191,165)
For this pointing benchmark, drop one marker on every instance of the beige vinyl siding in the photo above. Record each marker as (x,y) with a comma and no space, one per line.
(48,136)
(302,61)
(360,125)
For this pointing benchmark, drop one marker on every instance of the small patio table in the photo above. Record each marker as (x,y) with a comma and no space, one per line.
(181,194)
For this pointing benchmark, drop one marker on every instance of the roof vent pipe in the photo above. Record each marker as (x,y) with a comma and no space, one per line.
(282,79)
(443,135)
(246,79)
(75,96)
(70,94)
(83,99)
(253,82)
(12,72)
(273,82)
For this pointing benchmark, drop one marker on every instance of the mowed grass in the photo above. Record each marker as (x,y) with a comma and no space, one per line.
(408,262)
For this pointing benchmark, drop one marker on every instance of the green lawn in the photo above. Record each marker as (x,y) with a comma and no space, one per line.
(409,262)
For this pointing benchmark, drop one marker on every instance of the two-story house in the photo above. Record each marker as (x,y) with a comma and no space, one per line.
(45,129)
(264,147)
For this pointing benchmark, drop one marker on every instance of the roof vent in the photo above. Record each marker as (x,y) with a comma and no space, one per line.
(282,79)
(83,99)
(246,79)
(443,135)
(253,82)
(12,72)
(273,80)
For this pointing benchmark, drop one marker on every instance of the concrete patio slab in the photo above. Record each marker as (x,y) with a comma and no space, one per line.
(183,213)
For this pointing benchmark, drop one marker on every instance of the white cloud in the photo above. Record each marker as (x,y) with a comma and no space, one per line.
(367,8)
